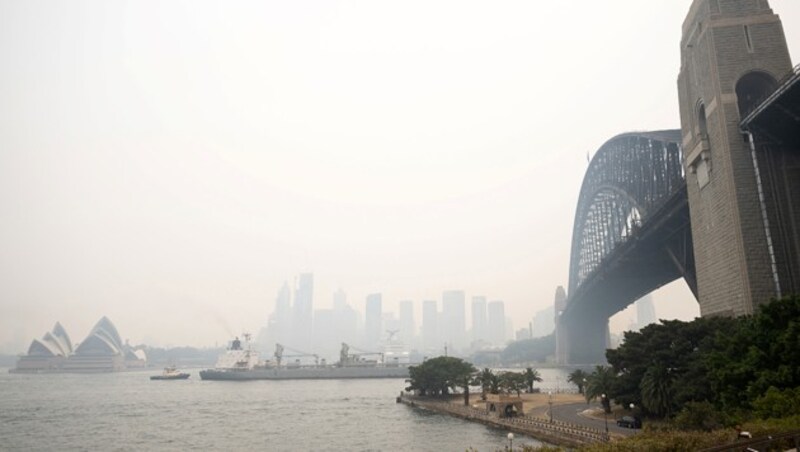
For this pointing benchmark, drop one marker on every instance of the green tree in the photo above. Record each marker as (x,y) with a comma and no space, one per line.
(699,416)
(512,382)
(494,384)
(440,375)
(761,352)
(656,390)
(578,377)
(679,346)
(776,403)
(531,376)
(529,350)
(600,382)
(484,380)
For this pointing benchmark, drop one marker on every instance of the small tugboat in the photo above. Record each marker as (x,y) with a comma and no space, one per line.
(170,373)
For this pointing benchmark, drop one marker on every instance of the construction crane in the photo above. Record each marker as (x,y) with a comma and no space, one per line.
(279,355)
(392,334)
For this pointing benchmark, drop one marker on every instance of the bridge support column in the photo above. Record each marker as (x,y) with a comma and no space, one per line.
(582,341)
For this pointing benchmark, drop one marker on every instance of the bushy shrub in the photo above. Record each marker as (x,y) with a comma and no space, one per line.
(699,416)
(777,404)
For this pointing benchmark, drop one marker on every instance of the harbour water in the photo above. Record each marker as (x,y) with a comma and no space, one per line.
(127,411)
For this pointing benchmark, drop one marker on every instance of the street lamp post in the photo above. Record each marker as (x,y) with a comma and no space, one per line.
(605,413)
(550,402)
(510,441)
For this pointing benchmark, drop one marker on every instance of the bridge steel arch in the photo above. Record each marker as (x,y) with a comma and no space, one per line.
(631,235)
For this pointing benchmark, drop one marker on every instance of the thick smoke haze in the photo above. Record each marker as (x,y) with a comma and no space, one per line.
(171,164)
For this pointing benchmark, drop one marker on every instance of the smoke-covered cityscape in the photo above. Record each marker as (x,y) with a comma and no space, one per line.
(437,225)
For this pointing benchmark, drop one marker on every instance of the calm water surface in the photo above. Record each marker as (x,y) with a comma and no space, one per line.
(127,411)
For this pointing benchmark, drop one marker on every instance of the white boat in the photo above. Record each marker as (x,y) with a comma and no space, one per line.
(171,373)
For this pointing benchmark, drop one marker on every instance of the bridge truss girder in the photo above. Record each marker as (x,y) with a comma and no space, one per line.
(632,235)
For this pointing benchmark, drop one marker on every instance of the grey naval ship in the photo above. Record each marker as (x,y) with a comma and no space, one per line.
(242,363)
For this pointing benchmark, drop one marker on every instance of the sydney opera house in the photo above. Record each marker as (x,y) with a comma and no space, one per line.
(102,351)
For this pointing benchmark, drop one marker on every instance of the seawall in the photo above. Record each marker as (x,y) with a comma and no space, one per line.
(559,433)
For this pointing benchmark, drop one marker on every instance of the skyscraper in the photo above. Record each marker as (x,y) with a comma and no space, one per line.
(544,322)
(339,299)
(479,319)
(302,310)
(454,319)
(496,322)
(346,320)
(373,320)
(645,311)
(279,323)
(430,333)
(407,326)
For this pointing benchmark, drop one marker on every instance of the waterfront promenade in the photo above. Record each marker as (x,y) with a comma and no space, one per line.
(546,429)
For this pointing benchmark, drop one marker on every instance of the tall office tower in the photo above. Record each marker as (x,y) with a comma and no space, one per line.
(544,322)
(345,318)
(496,321)
(645,311)
(339,299)
(373,320)
(302,321)
(430,330)
(479,325)
(407,326)
(279,323)
(326,339)
(454,319)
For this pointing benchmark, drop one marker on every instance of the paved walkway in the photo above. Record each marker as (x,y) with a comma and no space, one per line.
(572,413)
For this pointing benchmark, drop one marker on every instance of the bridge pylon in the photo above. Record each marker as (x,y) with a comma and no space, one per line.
(733,52)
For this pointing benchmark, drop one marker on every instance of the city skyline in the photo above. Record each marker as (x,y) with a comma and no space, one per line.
(380,324)
(172,167)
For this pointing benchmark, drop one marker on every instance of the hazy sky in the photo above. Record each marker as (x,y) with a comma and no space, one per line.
(171,164)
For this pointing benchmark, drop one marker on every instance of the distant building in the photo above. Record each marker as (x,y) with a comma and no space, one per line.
(346,327)
(102,351)
(373,317)
(47,354)
(302,312)
(339,299)
(279,323)
(430,332)
(544,322)
(407,325)
(645,311)
(326,338)
(496,321)
(523,333)
(479,324)
(454,319)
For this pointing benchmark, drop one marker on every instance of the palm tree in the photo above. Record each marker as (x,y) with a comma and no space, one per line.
(600,382)
(494,384)
(512,382)
(579,378)
(531,375)
(484,379)
(656,390)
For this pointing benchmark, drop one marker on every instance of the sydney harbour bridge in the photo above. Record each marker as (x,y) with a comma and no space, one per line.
(716,203)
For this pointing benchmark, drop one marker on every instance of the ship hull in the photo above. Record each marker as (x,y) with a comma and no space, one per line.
(305,373)
(181,376)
